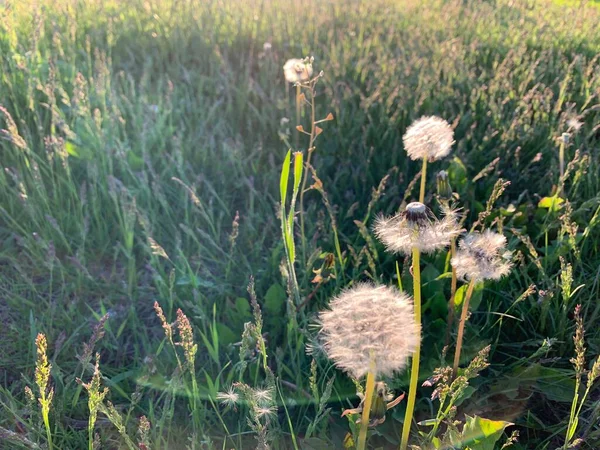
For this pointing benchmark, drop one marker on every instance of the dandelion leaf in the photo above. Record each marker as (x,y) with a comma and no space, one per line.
(482,434)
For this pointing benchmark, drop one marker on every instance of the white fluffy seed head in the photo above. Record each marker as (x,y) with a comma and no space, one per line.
(416,227)
(368,327)
(229,398)
(482,256)
(297,70)
(428,137)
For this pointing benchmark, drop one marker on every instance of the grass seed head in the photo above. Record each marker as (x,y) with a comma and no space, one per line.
(369,324)
(186,334)
(428,137)
(42,366)
(482,256)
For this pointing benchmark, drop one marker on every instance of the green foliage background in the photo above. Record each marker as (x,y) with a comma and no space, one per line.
(136,131)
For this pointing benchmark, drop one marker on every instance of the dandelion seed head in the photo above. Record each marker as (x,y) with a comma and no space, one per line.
(428,137)
(263,396)
(574,124)
(229,398)
(298,70)
(482,256)
(265,411)
(367,325)
(416,227)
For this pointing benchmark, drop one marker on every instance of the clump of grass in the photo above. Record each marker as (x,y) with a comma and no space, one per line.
(96,397)
(132,174)
(592,375)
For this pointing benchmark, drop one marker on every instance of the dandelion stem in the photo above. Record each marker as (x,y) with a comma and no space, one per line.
(461,326)
(414,371)
(452,294)
(298,111)
(561,160)
(313,135)
(423,180)
(364,423)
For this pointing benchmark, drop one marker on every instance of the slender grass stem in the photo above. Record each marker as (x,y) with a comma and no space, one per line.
(561,161)
(423,180)
(90,434)
(414,372)
(46,418)
(364,423)
(461,326)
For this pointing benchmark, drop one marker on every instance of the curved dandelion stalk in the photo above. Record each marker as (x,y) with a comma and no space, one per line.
(481,256)
(461,326)
(444,197)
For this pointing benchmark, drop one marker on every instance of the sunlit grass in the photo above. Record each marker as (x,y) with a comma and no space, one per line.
(142,144)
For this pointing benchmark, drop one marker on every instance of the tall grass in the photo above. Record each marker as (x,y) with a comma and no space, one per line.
(141,149)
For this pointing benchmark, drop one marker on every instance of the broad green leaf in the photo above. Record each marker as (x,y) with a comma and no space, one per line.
(77,151)
(551,203)
(461,292)
(134,161)
(467,394)
(283,181)
(436,305)
(457,172)
(275,300)
(71,149)
(482,434)
(226,335)
(555,384)
(298,165)
(314,443)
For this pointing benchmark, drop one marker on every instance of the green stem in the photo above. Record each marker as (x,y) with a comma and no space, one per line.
(313,135)
(423,180)
(298,110)
(452,295)
(45,416)
(364,423)
(90,434)
(414,371)
(561,162)
(461,326)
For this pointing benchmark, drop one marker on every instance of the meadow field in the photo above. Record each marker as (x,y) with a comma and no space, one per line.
(175,218)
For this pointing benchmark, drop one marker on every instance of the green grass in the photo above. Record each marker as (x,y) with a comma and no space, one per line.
(136,132)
